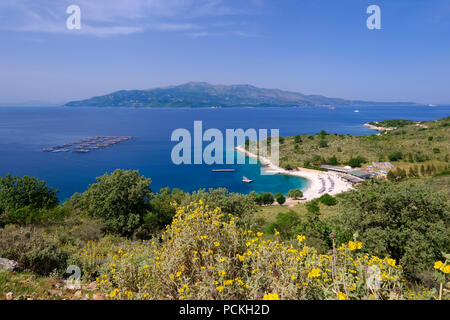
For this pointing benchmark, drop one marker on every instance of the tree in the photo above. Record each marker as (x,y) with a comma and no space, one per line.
(395,156)
(407,221)
(323,133)
(281,199)
(323,143)
(120,199)
(17,193)
(298,139)
(333,161)
(265,198)
(328,200)
(356,162)
(295,194)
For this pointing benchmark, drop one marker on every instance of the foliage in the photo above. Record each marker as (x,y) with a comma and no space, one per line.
(281,199)
(328,200)
(295,194)
(396,156)
(204,255)
(265,198)
(232,203)
(120,199)
(285,224)
(32,249)
(17,193)
(32,216)
(356,162)
(374,148)
(393,123)
(407,221)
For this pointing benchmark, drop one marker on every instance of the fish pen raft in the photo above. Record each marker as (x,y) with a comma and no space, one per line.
(89,144)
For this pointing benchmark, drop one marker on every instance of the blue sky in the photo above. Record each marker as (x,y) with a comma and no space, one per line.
(309,46)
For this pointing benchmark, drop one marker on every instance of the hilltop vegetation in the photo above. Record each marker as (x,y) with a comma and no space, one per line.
(408,146)
(392,123)
(205,95)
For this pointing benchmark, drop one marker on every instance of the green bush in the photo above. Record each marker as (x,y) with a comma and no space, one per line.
(281,199)
(231,203)
(265,198)
(295,194)
(32,216)
(17,193)
(285,224)
(120,199)
(34,250)
(396,156)
(356,162)
(407,221)
(328,200)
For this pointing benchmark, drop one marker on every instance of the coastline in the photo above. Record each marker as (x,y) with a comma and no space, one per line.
(380,129)
(320,182)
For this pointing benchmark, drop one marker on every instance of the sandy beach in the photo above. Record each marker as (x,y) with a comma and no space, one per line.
(320,182)
(378,128)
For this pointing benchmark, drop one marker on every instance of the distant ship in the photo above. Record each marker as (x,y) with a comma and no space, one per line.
(246,180)
(432,105)
(356,111)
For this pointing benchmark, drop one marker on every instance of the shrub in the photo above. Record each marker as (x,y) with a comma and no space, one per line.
(285,224)
(323,143)
(356,162)
(396,156)
(265,198)
(204,255)
(232,203)
(281,199)
(328,200)
(32,216)
(17,193)
(407,221)
(333,161)
(295,194)
(32,249)
(120,199)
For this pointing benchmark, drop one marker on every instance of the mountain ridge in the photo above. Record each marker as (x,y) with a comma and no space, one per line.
(205,95)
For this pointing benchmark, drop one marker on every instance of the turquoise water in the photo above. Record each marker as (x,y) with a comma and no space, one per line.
(25,131)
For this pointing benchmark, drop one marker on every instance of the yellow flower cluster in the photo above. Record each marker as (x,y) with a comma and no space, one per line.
(204,255)
(354,245)
(271,296)
(443,267)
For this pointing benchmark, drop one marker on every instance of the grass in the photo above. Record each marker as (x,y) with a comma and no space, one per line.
(270,213)
(28,286)
(24,286)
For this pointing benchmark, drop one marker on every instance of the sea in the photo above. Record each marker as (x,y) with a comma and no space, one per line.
(25,131)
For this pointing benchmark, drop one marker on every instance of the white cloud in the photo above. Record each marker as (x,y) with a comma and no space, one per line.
(118,17)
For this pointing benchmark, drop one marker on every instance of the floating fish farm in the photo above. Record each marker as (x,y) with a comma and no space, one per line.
(87,145)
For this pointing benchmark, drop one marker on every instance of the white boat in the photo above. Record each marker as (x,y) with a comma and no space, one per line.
(356,111)
(246,180)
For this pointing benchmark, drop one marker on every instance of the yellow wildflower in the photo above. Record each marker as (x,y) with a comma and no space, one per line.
(271,296)
(342,296)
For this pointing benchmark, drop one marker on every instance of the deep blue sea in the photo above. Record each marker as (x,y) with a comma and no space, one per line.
(24,131)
